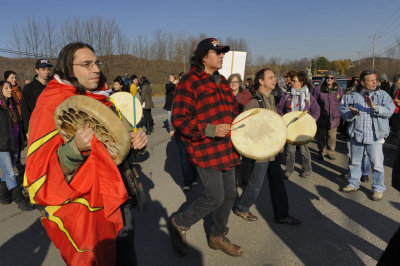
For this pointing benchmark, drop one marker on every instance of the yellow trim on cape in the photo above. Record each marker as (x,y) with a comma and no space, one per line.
(40,142)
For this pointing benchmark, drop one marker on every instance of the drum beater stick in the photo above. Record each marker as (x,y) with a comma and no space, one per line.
(252,113)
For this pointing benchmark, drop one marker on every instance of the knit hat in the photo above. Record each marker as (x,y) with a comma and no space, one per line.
(330,73)
(383,77)
(8,73)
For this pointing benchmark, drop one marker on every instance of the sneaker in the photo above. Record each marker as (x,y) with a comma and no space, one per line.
(377,195)
(288,174)
(349,188)
(195,183)
(289,220)
(306,173)
(186,188)
(364,178)
(331,157)
(248,216)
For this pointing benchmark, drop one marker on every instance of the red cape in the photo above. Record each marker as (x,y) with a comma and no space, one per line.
(82,218)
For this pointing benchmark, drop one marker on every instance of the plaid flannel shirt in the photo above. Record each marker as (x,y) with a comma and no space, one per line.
(199,101)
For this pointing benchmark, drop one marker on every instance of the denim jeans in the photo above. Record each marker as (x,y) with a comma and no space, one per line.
(365,161)
(219,192)
(291,157)
(375,155)
(188,169)
(7,163)
(277,188)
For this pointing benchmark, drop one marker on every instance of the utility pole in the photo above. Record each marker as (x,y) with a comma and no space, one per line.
(373,50)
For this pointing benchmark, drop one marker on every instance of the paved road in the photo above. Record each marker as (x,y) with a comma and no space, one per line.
(337,228)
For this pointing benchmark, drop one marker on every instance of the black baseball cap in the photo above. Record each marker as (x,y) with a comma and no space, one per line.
(43,63)
(211,44)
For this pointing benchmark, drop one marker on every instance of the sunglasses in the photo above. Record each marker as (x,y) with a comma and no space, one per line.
(218,52)
(330,78)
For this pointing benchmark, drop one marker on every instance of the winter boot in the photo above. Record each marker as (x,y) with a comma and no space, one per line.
(5,196)
(148,130)
(18,198)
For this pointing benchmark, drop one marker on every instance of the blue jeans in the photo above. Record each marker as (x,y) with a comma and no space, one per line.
(252,189)
(365,161)
(279,198)
(7,163)
(375,154)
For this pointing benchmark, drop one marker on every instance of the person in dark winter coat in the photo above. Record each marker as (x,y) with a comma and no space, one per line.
(147,103)
(298,98)
(169,96)
(11,139)
(328,95)
(31,91)
(385,84)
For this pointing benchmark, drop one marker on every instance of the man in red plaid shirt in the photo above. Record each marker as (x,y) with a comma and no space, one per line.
(204,108)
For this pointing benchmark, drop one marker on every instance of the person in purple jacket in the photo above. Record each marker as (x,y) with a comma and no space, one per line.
(298,98)
(328,95)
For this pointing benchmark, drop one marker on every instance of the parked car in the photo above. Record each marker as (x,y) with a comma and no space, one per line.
(343,82)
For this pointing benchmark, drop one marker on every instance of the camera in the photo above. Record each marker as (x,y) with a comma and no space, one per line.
(366,93)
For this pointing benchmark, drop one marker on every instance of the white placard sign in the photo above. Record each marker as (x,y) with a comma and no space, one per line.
(234,62)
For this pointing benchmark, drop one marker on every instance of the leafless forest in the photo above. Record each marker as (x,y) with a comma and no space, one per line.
(154,55)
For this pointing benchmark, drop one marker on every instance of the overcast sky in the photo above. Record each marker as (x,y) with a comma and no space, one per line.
(285,29)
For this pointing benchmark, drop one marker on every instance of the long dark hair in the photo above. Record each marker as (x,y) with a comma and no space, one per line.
(197,59)
(6,102)
(64,67)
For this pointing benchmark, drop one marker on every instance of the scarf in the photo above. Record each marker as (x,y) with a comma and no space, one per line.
(299,97)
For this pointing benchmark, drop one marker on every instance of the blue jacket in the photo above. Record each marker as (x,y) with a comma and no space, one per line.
(380,116)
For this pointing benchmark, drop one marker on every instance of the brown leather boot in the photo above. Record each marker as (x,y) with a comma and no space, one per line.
(178,237)
(223,243)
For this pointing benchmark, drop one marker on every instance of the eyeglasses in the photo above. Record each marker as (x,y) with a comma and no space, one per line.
(217,52)
(89,65)
(234,82)
(330,78)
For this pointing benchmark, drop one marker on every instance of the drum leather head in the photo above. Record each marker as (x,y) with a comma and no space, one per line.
(302,130)
(260,136)
(124,102)
(76,111)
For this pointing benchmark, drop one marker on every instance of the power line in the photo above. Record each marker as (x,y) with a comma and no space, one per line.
(384,24)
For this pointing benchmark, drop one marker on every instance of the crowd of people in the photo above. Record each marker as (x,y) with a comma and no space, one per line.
(201,106)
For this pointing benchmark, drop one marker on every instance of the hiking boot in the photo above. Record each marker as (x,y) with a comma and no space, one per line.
(248,216)
(18,198)
(223,243)
(5,196)
(377,195)
(178,237)
(349,188)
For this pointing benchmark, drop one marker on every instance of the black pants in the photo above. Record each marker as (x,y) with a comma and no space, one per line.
(126,254)
(219,192)
(149,118)
(279,197)
(189,171)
